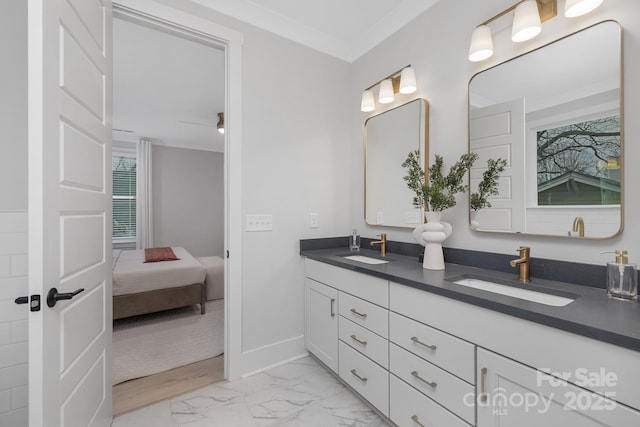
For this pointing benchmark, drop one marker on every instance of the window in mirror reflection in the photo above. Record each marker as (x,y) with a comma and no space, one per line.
(578,164)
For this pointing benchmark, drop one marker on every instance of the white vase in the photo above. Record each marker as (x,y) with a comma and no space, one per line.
(431,235)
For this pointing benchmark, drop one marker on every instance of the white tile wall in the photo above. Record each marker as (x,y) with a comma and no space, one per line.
(598,222)
(13,319)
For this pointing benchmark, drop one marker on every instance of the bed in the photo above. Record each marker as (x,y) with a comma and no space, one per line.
(142,288)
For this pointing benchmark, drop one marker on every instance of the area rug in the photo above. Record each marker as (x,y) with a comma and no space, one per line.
(153,343)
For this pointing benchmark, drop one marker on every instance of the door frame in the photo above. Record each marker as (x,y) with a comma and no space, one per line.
(158,15)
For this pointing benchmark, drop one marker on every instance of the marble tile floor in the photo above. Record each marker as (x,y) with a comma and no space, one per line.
(300,393)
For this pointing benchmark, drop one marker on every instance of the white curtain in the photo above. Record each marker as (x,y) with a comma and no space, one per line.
(144,194)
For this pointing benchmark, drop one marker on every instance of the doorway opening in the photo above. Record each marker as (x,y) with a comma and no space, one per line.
(171,89)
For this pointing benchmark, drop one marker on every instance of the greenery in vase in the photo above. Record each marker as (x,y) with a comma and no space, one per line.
(489,184)
(438,192)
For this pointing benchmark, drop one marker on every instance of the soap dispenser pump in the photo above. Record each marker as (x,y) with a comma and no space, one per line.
(622,277)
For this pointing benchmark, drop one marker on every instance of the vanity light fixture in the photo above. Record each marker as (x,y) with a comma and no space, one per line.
(528,17)
(220,124)
(403,81)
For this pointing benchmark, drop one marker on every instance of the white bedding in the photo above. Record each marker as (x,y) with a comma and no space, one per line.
(131,275)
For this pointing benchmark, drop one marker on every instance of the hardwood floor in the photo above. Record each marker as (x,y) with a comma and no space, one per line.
(135,394)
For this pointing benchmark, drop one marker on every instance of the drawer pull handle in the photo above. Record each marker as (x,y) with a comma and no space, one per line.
(333,303)
(416,420)
(430,384)
(429,346)
(483,379)
(353,337)
(362,315)
(363,379)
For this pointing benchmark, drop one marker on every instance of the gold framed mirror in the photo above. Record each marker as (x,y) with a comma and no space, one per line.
(555,114)
(389,137)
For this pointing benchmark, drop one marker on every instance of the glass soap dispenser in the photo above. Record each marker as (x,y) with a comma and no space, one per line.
(354,241)
(622,278)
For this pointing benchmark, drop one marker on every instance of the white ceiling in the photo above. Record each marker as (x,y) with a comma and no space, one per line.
(166,88)
(170,89)
(345,29)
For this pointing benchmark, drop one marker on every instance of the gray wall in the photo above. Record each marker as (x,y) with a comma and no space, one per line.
(188,200)
(13,108)
(14,332)
(438,49)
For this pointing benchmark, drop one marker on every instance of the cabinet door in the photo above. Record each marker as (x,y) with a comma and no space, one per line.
(321,322)
(514,395)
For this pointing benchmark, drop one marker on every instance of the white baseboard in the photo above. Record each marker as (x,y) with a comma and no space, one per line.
(263,358)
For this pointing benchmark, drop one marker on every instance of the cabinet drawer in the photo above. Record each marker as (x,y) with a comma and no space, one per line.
(366,342)
(518,395)
(410,408)
(370,288)
(364,313)
(446,351)
(364,376)
(446,389)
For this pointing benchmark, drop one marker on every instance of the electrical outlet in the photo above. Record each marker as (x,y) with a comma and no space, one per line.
(413,217)
(379,217)
(259,223)
(313,220)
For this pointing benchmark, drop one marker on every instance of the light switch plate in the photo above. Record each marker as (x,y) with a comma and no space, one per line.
(313,220)
(259,223)
(413,217)
(379,217)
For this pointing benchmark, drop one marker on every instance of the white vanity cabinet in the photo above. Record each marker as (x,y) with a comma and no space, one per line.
(436,365)
(359,328)
(321,322)
(513,356)
(427,360)
(511,394)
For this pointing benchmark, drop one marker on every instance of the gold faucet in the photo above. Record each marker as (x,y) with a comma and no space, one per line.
(382,242)
(523,262)
(578,225)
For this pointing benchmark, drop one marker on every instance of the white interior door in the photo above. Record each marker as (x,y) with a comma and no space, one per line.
(498,131)
(69,84)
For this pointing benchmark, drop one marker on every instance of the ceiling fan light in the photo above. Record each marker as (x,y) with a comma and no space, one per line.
(220,124)
(575,8)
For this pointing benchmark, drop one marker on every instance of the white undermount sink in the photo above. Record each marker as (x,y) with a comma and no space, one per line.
(511,291)
(366,259)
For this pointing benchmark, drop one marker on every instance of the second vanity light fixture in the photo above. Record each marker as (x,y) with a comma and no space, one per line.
(528,16)
(403,81)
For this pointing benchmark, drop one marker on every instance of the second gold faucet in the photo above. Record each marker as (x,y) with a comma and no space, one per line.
(523,262)
(382,242)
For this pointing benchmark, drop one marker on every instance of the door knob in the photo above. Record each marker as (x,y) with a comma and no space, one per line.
(53,296)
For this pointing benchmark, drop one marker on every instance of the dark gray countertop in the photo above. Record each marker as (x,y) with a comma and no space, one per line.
(592,314)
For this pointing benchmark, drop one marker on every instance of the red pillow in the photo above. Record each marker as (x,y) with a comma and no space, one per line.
(159,254)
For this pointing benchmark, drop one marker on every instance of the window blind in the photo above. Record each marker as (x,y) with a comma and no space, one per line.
(124,196)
